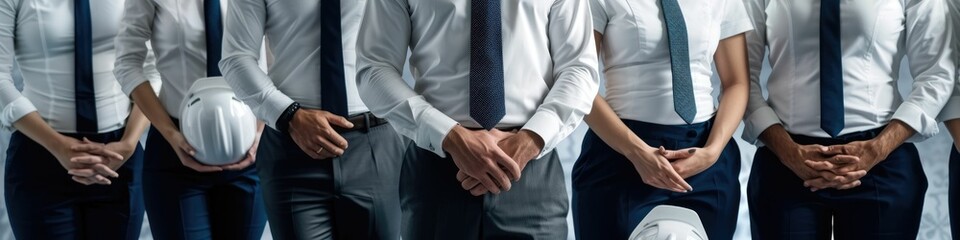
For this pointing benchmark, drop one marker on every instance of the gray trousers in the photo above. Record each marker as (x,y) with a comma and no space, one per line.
(349,197)
(436,207)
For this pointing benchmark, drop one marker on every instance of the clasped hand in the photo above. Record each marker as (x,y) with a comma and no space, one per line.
(489,161)
(838,166)
(91,162)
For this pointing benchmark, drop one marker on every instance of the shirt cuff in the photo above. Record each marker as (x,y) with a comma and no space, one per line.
(924,124)
(734,28)
(951,110)
(433,128)
(270,110)
(757,122)
(15,111)
(130,82)
(546,125)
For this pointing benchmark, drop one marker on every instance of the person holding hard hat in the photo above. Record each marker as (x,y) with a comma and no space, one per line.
(71,118)
(659,136)
(836,156)
(187,199)
(330,169)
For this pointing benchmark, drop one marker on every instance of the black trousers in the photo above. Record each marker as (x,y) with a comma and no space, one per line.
(887,205)
(185,204)
(349,197)
(610,198)
(45,203)
(954,190)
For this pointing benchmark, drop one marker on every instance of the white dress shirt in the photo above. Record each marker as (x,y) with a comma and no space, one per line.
(292,30)
(549,66)
(176,31)
(636,54)
(40,35)
(952,109)
(876,35)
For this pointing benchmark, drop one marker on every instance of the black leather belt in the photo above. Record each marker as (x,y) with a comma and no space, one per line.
(362,122)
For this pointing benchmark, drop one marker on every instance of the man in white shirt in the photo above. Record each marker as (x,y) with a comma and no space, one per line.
(834,127)
(65,50)
(328,167)
(497,88)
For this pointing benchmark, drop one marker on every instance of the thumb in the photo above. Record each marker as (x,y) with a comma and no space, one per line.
(339,121)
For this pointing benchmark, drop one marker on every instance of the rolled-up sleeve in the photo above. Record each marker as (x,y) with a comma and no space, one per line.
(380,82)
(929,53)
(13,105)
(136,29)
(242,42)
(759,115)
(576,74)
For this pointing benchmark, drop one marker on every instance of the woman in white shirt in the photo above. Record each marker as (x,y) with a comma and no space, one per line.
(184,199)
(70,115)
(657,137)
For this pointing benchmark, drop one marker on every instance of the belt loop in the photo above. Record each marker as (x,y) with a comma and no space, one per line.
(366,122)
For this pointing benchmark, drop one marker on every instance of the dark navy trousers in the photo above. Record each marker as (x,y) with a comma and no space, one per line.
(186,204)
(45,203)
(954,190)
(887,205)
(610,198)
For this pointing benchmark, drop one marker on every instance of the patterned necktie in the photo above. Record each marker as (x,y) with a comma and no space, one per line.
(85,98)
(486,64)
(333,89)
(831,69)
(683,100)
(214,35)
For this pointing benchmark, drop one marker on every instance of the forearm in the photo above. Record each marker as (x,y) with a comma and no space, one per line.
(151,108)
(729,114)
(777,139)
(136,124)
(608,126)
(34,127)
(894,134)
(954,127)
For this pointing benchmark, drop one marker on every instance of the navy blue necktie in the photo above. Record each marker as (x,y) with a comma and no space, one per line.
(683,100)
(486,64)
(85,98)
(333,89)
(214,35)
(831,69)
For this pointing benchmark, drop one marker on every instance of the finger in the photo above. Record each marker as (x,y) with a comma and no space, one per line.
(186,148)
(81,180)
(242,164)
(849,185)
(83,172)
(86,147)
(819,165)
(461,176)
(844,159)
(469,183)
(832,150)
(478,191)
(830,176)
(193,164)
(334,138)
(104,170)
(488,183)
(508,164)
(818,184)
(499,177)
(667,185)
(89,159)
(102,180)
(328,146)
(339,121)
(855,175)
(310,150)
(679,154)
(674,177)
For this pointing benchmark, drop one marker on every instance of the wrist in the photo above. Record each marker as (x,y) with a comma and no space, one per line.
(535,142)
(286,118)
(455,133)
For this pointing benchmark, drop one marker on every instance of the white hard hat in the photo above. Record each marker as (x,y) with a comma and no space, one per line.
(667,222)
(218,125)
